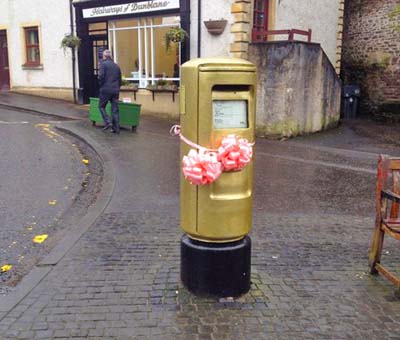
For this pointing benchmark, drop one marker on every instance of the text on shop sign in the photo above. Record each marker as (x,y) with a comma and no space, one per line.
(131,8)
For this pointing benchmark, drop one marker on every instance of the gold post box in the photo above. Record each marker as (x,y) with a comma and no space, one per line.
(217,98)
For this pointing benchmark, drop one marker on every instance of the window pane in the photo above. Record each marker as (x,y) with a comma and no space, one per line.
(126,23)
(141,51)
(98,47)
(98,28)
(260,20)
(260,15)
(259,5)
(111,43)
(95,61)
(127,52)
(143,47)
(166,63)
(33,54)
(33,37)
(146,45)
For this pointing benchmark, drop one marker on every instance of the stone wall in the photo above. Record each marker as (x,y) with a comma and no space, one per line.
(371,54)
(241,29)
(298,90)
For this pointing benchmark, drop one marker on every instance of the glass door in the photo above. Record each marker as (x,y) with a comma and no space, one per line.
(98,43)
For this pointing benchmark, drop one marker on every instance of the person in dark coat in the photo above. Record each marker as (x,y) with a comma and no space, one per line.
(110,81)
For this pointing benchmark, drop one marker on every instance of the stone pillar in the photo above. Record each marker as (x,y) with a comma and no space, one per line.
(339,37)
(240,29)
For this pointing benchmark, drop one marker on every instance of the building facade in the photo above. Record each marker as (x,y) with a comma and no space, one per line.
(135,31)
(31,59)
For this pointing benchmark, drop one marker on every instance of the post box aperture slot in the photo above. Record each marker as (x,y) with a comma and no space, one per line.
(230,107)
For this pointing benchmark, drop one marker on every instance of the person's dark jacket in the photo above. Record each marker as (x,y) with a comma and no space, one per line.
(109,77)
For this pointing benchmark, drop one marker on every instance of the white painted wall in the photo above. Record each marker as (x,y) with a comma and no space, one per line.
(53,16)
(319,15)
(211,45)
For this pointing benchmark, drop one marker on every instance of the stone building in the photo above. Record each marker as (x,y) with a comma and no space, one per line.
(371,54)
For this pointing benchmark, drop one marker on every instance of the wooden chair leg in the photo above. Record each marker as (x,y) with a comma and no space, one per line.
(376,249)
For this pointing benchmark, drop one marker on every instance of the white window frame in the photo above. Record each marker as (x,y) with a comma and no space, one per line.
(143,80)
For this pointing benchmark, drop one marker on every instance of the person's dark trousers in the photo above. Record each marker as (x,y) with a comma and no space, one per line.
(115,112)
(104,98)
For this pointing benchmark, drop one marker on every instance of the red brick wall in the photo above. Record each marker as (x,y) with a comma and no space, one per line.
(371,52)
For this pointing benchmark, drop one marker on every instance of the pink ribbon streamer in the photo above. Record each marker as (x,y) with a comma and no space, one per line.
(176,131)
(206,165)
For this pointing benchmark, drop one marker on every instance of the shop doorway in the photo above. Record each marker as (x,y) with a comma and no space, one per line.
(4,66)
(90,54)
(98,43)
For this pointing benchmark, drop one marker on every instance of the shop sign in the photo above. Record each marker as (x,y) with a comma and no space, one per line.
(131,8)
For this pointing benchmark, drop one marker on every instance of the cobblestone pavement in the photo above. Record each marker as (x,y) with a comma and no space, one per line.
(309,267)
(121,281)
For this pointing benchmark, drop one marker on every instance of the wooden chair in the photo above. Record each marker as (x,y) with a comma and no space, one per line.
(387,213)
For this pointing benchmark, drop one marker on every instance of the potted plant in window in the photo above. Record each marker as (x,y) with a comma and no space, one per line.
(162,85)
(174,35)
(70,41)
(128,86)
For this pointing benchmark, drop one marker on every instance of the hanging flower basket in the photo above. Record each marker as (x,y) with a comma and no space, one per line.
(174,35)
(70,41)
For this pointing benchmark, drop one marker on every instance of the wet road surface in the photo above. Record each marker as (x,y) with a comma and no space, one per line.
(41,174)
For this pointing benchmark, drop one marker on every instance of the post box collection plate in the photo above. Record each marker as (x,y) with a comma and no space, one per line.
(230,114)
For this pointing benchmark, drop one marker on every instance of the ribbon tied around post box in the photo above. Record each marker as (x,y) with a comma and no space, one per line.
(203,166)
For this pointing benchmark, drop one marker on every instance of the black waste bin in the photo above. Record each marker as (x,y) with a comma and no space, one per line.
(351,95)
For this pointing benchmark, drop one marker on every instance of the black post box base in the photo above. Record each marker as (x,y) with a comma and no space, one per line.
(221,269)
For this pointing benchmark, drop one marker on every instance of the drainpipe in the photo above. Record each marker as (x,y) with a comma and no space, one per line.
(71,18)
(199,28)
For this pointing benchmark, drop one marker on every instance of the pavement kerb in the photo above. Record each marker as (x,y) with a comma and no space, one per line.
(36,112)
(75,229)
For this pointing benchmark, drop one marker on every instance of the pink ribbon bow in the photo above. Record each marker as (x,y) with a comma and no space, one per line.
(235,153)
(201,167)
(206,165)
